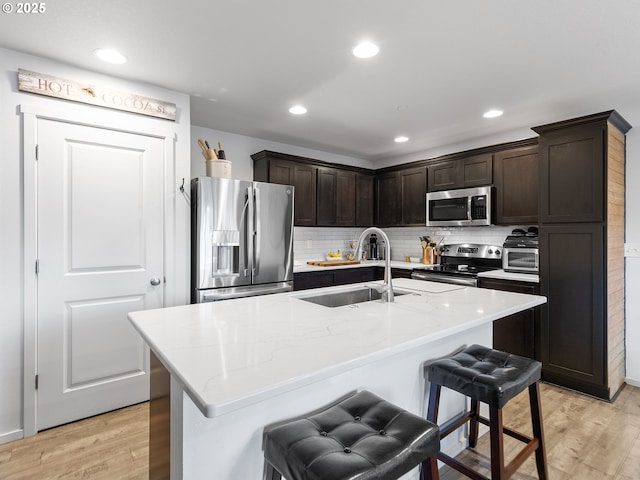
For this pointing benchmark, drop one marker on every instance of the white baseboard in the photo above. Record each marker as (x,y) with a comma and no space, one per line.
(11,436)
(632,382)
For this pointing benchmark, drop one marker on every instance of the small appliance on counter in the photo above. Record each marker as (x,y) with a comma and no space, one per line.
(520,251)
(375,250)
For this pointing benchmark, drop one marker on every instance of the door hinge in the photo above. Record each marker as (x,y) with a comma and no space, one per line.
(36,151)
(37,381)
(37,266)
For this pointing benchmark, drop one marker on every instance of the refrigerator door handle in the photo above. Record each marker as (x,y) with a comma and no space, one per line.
(256,237)
(247,213)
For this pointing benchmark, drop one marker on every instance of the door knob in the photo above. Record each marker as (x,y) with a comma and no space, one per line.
(155,281)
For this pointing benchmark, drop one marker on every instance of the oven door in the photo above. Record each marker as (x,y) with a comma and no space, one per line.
(467,281)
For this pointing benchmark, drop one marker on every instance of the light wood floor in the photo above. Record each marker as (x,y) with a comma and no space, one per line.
(112,446)
(586,439)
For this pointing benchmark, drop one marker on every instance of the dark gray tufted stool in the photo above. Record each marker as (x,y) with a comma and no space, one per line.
(492,377)
(361,437)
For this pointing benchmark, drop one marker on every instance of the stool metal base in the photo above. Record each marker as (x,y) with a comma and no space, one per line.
(499,471)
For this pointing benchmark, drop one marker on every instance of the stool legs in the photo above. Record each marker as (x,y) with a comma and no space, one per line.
(473,423)
(496,434)
(497,443)
(536,422)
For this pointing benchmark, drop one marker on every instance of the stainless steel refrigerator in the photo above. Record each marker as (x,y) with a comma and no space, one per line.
(241,238)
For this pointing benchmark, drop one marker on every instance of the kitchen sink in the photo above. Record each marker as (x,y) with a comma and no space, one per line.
(348,297)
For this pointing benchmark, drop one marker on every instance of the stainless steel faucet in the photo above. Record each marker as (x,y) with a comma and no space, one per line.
(387,288)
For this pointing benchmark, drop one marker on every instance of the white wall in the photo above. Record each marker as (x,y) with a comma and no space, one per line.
(632,232)
(11,209)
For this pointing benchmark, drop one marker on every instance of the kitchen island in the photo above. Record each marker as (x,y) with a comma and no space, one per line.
(222,371)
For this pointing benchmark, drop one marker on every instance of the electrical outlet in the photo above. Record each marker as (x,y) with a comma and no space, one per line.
(632,249)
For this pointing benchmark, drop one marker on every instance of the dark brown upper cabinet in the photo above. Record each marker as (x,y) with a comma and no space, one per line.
(463,172)
(364,199)
(515,176)
(388,210)
(277,168)
(336,197)
(401,197)
(413,182)
(572,166)
(347,198)
(326,197)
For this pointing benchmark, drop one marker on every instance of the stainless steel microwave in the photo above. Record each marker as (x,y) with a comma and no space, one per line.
(457,208)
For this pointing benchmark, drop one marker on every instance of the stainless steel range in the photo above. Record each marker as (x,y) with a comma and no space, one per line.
(460,264)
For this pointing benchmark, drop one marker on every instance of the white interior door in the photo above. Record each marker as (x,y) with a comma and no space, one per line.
(100,254)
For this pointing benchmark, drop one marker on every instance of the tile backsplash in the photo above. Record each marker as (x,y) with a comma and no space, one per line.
(313,243)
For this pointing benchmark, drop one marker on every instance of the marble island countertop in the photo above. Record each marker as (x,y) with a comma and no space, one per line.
(230,354)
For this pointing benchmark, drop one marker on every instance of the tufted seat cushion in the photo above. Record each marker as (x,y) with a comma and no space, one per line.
(361,437)
(484,374)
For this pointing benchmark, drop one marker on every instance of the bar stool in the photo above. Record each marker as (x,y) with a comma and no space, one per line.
(360,437)
(492,377)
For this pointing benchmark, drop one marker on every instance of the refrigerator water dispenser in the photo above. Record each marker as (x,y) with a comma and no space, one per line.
(226,253)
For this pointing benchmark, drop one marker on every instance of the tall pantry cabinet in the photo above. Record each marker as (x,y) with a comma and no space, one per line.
(581,218)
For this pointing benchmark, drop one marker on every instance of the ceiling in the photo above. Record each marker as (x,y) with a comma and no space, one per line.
(441,65)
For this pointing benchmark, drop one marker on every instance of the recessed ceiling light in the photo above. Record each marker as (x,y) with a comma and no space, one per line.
(110,56)
(298,110)
(366,50)
(493,113)
(401,139)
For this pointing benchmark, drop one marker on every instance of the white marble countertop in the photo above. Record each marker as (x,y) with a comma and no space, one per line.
(502,275)
(229,354)
(304,267)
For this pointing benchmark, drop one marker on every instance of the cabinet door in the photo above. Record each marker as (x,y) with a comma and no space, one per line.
(364,200)
(516,182)
(414,196)
(572,174)
(346,197)
(327,188)
(304,181)
(476,171)
(388,198)
(573,323)
(444,176)
(354,275)
(281,172)
(516,333)
(307,280)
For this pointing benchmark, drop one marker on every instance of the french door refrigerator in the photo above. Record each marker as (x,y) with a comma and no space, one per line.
(241,238)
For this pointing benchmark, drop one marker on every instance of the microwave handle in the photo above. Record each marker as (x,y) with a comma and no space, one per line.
(469,206)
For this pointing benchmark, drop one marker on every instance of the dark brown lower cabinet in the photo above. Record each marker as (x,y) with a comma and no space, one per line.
(516,333)
(573,333)
(330,277)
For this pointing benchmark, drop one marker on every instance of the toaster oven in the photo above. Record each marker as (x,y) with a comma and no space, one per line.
(520,251)
(523,260)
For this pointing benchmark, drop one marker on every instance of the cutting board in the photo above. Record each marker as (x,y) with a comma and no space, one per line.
(332,263)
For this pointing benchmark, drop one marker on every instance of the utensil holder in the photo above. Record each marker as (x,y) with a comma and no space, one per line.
(218,168)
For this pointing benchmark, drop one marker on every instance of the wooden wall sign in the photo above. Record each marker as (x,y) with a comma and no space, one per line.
(94,95)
